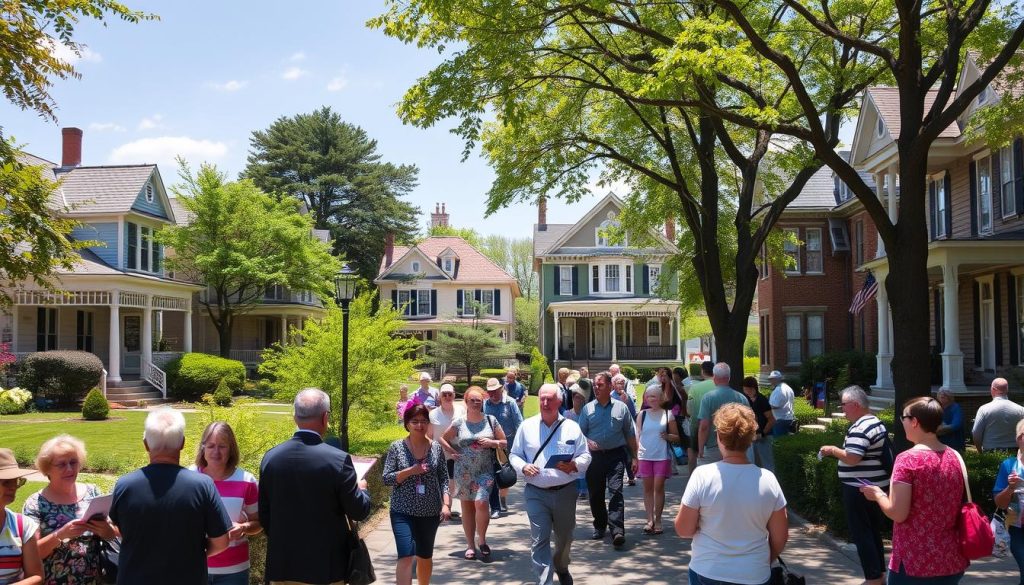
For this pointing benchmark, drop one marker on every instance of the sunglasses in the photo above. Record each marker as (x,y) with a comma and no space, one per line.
(17,482)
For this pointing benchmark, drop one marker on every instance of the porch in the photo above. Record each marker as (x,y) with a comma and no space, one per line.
(615,330)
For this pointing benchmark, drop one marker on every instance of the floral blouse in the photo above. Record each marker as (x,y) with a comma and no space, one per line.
(420,495)
(79,561)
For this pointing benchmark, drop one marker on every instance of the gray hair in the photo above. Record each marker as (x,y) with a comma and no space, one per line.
(311,403)
(617,378)
(856,394)
(551,388)
(165,430)
(722,370)
(944,392)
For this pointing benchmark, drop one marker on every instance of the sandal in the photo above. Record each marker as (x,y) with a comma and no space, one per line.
(470,554)
(649,528)
(485,550)
(657,530)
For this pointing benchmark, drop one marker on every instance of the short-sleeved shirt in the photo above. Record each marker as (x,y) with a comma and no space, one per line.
(865,437)
(515,390)
(78,561)
(610,426)
(508,414)
(240,491)
(996,424)
(761,408)
(1008,466)
(166,513)
(441,421)
(696,394)
(421,495)
(926,543)
(428,398)
(735,503)
(710,404)
(13,534)
(953,417)
(781,399)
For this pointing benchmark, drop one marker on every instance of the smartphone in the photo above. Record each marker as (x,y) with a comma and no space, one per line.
(98,517)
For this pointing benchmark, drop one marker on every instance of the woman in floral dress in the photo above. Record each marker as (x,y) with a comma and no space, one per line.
(471,440)
(68,544)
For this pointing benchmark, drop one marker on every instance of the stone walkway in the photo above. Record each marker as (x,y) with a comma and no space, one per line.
(644,559)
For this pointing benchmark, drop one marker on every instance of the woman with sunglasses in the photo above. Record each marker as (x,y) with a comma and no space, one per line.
(19,539)
(70,553)
(924,498)
(475,438)
(415,467)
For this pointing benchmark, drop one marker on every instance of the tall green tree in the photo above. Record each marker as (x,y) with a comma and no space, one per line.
(469,346)
(240,242)
(334,168)
(590,87)
(527,313)
(515,256)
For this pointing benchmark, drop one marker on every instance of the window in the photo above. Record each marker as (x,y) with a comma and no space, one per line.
(794,341)
(611,278)
(653,274)
(602,236)
(275,292)
(448,264)
(629,278)
(567,336)
(815,335)
(158,254)
(565,281)
(133,246)
(984,210)
(1007,196)
(84,330)
(149,193)
(624,332)
(858,229)
(1020,320)
(595,285)
(404,303)
(765,331)
(764,261)
(791,248)
(146,237)
(423,302)
(813,249)
(879,127)
(46,329)
(653,332)
(415,266)
(487,301)
(938,186)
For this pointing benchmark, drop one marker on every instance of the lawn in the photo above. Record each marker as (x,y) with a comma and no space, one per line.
(104,482)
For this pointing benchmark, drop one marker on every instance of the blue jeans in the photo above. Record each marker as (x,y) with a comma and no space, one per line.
(414,535)
(1017,549)
(864,520)
(901,578)
(239,578)
(782,427)
(696,579)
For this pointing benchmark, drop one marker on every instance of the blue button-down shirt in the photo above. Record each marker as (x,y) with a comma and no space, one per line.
(610,426)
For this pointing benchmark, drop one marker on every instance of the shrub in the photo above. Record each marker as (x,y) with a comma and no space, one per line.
(61,376)
(539,371)
(812,487)
(751,366)
(222,396)
(195,374)
(805,413)
(498,373)
(14,400)
(645,374)
(95,406)
(629,372)
(694,370)
(840,368)
(752,346)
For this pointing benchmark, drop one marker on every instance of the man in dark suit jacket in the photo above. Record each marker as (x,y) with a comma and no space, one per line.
(307,489)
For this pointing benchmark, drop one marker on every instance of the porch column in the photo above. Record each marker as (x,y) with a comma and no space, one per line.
(284,330)
(679,341)
(893,210)
(147,333)
(114,350)
(187,341)
(158,329)
(880,190)
(557,338)
(614,352)
(952,357)
(884,358)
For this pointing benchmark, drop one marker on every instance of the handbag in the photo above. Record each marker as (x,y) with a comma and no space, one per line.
(973,529)
(1001,534)
(360,567)
(504,473)
(781,575)
(108,552)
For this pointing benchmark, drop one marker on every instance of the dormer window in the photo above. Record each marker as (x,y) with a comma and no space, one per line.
(448,264)
(415,266)
(601,237)
(149,193)
(879,127)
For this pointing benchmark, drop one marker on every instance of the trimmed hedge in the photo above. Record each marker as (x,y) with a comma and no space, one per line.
(498,373)
(222,396)
(539,371)
(629,372)
(195,374)
(95,406)
(62,376)
(841,369)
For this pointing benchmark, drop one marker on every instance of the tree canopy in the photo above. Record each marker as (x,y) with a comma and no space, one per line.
(334,168)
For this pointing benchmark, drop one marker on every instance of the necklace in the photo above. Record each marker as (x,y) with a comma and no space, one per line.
(412,450)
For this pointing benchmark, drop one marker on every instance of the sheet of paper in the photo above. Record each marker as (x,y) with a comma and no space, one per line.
(234,508)
(363,465)
(98,505)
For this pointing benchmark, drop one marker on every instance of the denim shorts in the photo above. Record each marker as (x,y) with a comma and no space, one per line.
(414,535)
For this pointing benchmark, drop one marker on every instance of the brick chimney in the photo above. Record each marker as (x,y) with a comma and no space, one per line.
(72,147)
(670,229)
(439,217)
(542,213)
(389,249)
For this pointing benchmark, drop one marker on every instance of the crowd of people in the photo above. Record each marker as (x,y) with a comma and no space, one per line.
(168,523)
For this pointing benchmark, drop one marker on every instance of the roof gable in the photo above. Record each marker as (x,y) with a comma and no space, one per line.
(106,189)
(152,198)
(473,266)
(883,104)
(401,268)
(583,231)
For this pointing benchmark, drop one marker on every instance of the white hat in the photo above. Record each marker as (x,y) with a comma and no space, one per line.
(775,375)
(425,376)
(447,388)
(493,384)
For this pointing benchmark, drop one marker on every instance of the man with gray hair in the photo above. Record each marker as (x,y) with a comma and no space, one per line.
(308,492)
(707,437)
(995,425)
(171,519)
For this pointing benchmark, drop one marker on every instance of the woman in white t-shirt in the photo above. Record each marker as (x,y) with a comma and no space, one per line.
(655,427)
(20,563)
(733,510)
(440,419)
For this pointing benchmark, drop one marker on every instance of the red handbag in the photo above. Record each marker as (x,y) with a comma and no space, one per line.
(973,529)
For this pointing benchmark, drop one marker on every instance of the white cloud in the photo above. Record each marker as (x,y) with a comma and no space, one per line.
(230,85)
(64,53)
(163,150)
(106,127)
(298,56)
(151,123)
(293,73)
(338,83)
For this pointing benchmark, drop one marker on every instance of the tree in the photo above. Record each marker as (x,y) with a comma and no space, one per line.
(468,346)
(527,313)
(334,168)
(379,360)
(515,256)
(241,241)
(469,234)
(591,87)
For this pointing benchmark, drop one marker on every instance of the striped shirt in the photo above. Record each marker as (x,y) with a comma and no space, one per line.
(866,438)
(16,529)
(240,493)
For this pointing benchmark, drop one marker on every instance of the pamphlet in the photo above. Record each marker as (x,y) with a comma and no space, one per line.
(98,505)
(556,459)
(362,465)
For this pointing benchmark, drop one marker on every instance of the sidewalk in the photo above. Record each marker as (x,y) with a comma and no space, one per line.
(645,559)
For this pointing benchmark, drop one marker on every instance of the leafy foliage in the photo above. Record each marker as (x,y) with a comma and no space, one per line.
(527,327)
(222,396)
(14,400)
(468,346)
(95,406)
(334,168)
(840,369)
(61,376)
(540,373)
(194,374)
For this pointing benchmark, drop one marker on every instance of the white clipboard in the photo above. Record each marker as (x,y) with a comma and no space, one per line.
(98,505)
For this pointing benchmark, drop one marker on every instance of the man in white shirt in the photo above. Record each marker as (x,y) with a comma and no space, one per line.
(995,426)
(781,401)
(550,499)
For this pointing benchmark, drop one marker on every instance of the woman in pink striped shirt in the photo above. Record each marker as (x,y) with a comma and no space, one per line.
(218,458)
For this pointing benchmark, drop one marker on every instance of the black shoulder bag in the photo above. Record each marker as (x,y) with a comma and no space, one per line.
(360,567)
(504,473)
(546,441)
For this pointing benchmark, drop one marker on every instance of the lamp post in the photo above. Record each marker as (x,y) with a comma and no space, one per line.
(344,290)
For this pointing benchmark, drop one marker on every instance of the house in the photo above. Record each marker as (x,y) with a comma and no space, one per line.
(440,281)
(976,250)
(119,301)
(599,300)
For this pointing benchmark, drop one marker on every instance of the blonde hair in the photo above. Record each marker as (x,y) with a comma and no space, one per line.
(736,426)
(478,391)
(60,445)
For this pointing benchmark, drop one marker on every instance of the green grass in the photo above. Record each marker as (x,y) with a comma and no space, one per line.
(104,482)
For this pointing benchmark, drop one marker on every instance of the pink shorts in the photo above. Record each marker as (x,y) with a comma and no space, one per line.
(661,468)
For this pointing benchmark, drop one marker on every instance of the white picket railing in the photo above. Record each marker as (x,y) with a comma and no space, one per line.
(155,376)
(247,356)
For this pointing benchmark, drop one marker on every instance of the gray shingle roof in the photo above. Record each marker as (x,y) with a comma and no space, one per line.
(820,190)
(181,215)
(887,100)
(542,240)
(105,189)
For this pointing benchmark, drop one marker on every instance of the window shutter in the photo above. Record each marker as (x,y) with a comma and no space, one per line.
(1018,173)
(575,280)
(947,193)
(647,279)
(997,308)
(414,305)
(430,335)
(433,302)
(458,301)
(476,295)
(976,305)
(932,208)
(394,298)
(558,280)
(997,188)
(497,301)
(1011,314)
(973,173)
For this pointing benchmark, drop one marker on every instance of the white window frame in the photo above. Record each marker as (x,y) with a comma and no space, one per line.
(984,193)
(940,205)
(623,332)
(51,321)
(879,127)
(154,251)
(650,336)
(595,278)
(1009,205)
(628,269)
(564,277)
(448,264)
(405,305)
(612,279)
(566,331)
(421,295)
(809,251)
(149,193)
(599,278)
(487,306)
(798,340)
(792,249)
(653,274)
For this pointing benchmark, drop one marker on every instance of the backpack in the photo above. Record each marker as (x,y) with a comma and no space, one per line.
(888,456)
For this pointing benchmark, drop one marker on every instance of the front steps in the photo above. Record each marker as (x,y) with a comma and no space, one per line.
(134,393)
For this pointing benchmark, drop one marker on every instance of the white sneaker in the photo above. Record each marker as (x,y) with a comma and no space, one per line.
(495,514)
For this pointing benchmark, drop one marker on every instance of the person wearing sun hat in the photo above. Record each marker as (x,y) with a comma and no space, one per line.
(19,535)
(503,408)
(781,401)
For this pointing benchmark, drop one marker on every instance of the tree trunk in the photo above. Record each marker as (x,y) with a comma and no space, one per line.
(224,332)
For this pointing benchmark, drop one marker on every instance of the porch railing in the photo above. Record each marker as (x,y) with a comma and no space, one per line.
(247,356)
(155,376)
(646,352)
(103,382)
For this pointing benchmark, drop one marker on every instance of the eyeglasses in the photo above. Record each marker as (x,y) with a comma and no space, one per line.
(906,416)
(69,464)
(419,421)
(17,482)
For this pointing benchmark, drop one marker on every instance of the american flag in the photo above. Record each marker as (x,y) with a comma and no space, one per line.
(866,294)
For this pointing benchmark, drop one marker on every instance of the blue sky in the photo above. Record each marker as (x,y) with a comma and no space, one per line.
(201,79)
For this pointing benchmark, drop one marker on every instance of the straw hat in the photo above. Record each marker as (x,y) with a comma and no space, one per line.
(9,466)
(493,384)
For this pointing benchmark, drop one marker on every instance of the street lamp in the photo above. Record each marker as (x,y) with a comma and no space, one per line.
(344,290)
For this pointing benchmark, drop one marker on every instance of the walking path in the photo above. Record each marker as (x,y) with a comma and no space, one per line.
(647,559)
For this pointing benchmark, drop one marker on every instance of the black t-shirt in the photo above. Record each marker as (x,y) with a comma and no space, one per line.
(760,406)
(166,513)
